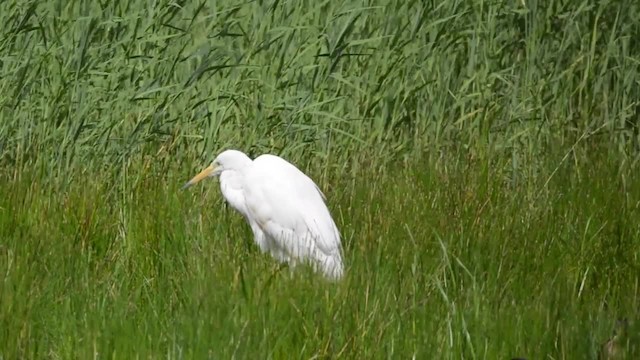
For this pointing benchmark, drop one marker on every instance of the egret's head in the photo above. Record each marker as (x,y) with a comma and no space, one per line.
(225,161)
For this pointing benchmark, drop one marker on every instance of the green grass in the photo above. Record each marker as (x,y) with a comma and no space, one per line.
(441,263)
(480,159)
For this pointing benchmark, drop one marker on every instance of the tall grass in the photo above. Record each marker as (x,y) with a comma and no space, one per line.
(479,158)
(88,82)
(441,264)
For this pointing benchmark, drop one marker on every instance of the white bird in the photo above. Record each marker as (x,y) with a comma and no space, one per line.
(283,206)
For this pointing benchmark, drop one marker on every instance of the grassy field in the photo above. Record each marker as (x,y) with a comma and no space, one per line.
(479,158)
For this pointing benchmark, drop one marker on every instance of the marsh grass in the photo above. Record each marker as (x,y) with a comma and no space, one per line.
(479,159)
(441,263)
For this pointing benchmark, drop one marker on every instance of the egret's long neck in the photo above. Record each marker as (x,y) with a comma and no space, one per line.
(232,189)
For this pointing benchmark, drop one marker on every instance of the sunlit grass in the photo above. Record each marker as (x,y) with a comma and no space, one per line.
(91,83)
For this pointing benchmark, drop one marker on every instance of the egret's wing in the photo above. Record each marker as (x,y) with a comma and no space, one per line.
(289,207)
(319,191)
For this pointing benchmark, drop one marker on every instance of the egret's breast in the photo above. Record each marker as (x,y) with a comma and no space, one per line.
(232,190)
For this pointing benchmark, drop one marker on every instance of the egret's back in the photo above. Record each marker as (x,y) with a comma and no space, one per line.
(290,208)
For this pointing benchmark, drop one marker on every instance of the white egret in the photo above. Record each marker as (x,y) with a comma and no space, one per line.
(283,206)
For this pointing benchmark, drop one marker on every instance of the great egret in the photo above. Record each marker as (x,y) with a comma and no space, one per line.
(283,206)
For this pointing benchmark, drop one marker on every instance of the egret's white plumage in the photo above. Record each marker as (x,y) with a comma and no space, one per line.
(283,206)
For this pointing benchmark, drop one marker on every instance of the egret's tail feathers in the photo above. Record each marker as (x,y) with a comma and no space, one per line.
(332,267)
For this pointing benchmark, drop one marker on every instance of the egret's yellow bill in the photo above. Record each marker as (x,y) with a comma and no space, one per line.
(203,174)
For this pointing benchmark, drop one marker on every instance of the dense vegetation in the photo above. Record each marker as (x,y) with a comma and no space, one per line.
(480,159)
